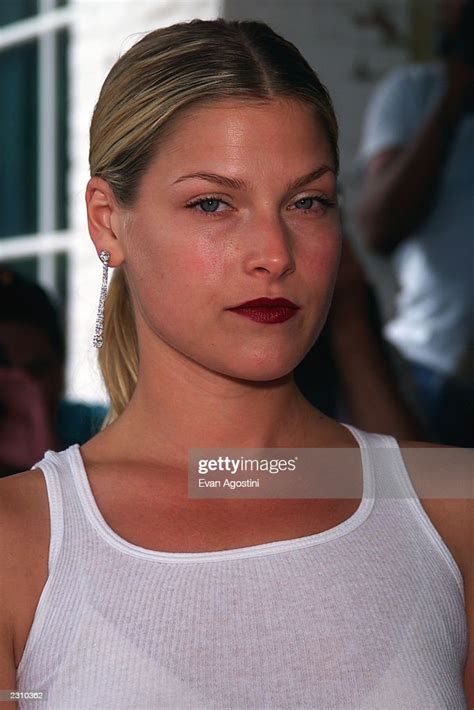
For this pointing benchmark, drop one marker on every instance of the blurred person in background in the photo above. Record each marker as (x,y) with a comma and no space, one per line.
(416,207)
(34,415)
(348,373)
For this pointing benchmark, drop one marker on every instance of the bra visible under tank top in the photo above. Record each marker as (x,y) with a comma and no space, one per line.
(368,615)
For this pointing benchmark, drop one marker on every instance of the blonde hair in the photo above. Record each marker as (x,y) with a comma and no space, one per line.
(146,91)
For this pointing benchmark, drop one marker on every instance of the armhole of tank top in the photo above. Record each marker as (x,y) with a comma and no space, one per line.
(423,517)
(56,522)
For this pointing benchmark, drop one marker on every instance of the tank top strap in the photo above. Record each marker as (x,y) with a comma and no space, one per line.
(391,476)
(51,472)
(394,490)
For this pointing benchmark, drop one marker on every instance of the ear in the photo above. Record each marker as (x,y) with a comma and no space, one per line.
(104,219)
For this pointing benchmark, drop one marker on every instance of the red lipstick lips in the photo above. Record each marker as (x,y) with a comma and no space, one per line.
(267,310)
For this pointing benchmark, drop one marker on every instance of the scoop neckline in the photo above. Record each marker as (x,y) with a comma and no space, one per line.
(95,517)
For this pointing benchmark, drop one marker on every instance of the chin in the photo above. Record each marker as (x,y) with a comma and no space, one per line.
(262,368)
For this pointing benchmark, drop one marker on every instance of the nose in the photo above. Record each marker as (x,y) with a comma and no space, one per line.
(271,250)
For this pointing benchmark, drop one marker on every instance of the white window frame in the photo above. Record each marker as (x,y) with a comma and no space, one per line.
(47,242)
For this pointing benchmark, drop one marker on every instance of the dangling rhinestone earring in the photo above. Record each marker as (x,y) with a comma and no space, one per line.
(104,256)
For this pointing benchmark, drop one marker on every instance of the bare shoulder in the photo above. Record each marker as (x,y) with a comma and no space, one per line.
(22,497)
(24,545)
(24,522)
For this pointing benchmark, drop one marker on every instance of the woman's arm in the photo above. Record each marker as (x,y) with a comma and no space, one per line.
(7,657)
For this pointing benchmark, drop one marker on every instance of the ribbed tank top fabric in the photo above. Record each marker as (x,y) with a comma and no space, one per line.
(369,615)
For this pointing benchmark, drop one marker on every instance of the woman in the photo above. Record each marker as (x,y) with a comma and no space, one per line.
(213,183)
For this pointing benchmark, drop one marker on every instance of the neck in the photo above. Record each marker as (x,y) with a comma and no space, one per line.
(184,406)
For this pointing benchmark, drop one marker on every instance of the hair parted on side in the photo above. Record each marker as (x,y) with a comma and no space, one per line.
(167,71)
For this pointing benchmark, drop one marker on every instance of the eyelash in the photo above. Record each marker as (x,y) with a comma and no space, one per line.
(325,201)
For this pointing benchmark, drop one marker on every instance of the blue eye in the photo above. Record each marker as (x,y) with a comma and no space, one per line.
(204,202)
(324,203)
(305,199)
(208,202)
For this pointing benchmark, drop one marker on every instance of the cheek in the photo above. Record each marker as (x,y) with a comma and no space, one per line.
(320,262)
(169,278)
(205,269)
(205,262)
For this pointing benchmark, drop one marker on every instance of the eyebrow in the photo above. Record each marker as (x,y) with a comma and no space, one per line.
(237,184)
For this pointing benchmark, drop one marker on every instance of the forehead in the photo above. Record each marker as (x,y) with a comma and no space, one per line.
(275,135)
(212,116)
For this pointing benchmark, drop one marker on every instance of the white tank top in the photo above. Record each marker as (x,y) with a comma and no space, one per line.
(368,615)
